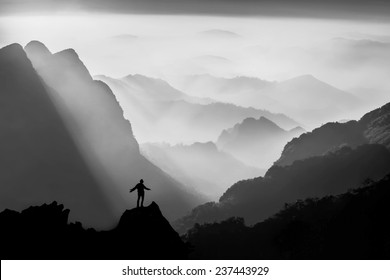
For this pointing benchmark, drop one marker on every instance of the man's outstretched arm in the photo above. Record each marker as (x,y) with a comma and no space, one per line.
(133,189)
(147,188)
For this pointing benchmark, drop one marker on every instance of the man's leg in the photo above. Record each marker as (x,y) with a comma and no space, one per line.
(138,200)
(142,200)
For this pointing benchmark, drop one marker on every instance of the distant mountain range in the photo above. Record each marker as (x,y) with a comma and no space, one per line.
(201,166)
(161,113)
(257,142)
(66,137)
(304,98)
(373,127)
(218,87)
(327,161)
(66,140)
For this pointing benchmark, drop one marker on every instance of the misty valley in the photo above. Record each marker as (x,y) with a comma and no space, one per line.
(237,155)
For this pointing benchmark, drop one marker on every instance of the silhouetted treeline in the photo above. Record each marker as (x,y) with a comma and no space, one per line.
(43,232)
(353,225)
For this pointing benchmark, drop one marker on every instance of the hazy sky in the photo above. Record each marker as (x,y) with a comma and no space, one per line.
(343,43)
(361,9)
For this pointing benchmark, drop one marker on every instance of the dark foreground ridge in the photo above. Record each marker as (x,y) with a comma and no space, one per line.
(353,225)
(43,232)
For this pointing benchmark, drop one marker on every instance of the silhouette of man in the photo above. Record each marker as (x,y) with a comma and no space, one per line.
(141,192)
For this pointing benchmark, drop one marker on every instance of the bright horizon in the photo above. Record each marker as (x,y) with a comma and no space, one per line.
(165,45)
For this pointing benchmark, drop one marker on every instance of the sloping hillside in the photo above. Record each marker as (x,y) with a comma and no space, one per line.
(373,128)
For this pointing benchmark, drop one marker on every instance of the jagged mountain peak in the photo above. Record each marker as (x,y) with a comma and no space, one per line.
(12,48)
(253,125)
(13,52)
(41,57)
(37,47)
(71,56)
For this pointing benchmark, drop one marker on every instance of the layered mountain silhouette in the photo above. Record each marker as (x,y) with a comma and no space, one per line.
(350,53)
(44,232)
(219,88)
(257,142)
(373,127)
(352,225)
(153,89)
(39,160)
(200,165)
(259,198)
(304,98)
(67,140)
(161,113)
(105,135)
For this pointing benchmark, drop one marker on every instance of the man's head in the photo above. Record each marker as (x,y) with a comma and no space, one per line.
(141,181)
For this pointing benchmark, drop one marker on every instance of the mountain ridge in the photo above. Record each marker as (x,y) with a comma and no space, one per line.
(106,139)
(330,174)
(304,98)
(348,226)
(37,150)
(134,237)
(198,122)
(373,127)
(257,142)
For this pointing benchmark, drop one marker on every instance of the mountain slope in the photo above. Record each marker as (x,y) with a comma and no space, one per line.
(352,225)
(256,142)
(257,199)
(312,101)
(96,123)
(373,127)
(39,159)
(200,165)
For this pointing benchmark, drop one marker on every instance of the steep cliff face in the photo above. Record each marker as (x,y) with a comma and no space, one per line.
(373,128)
(39,159)
(103,135)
